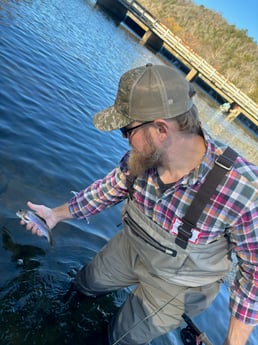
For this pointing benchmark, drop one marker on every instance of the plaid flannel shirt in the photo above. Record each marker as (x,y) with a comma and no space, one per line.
(233,209)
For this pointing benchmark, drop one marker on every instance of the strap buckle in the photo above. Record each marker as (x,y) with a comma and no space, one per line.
(224,162)
(184,234)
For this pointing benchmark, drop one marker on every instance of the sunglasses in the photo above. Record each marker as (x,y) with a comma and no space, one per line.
(127,132)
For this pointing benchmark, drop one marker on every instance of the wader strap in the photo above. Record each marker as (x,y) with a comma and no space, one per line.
(129,184)
(223,164)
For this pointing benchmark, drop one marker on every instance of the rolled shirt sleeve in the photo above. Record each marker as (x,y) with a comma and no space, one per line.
(101,194)
(244,289)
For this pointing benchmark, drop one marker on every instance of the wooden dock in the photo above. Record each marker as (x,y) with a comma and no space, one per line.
(156,35)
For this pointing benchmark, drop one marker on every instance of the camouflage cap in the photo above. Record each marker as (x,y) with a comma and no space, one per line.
(147,93)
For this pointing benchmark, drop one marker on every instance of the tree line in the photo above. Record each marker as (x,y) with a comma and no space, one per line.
(225,47)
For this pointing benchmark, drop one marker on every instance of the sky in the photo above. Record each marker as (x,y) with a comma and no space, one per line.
(241,13)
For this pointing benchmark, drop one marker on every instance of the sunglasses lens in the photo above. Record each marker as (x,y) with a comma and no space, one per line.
(126,132)
(123,131)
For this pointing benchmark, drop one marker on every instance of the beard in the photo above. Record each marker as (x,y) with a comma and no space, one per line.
(139,163)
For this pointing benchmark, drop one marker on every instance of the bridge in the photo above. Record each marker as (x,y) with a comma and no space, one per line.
(156,35)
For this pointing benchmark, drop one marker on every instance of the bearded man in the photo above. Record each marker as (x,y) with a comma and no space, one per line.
(174,270)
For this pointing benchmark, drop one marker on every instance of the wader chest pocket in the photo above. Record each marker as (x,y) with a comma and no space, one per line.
(142,234)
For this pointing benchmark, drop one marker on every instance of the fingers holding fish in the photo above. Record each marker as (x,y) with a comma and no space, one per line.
(35,223)
(33,227)
(44,212)
(40,219)
(30,226)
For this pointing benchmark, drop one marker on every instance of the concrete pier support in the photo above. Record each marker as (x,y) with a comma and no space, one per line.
(115,8)
(152,40)
(191,75)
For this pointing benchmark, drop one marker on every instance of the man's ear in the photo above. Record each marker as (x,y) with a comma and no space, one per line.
(162,126)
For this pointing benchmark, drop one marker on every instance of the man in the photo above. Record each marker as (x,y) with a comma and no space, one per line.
(170,159)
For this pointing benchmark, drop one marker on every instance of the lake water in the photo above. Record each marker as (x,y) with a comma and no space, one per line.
(60,62)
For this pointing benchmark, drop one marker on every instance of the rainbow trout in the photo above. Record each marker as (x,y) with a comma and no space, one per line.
(30,216)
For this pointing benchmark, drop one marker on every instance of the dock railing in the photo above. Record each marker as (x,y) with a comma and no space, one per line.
(194,60)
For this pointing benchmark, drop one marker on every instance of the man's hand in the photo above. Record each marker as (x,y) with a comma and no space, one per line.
(51,216)
(238,332)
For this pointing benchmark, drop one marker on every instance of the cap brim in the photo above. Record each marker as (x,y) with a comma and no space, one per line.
(109,119)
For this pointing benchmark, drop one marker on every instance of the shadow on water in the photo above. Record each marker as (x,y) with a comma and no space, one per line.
(37,305)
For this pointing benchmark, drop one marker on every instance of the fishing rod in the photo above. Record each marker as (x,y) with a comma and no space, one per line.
(195,332)
(144,319)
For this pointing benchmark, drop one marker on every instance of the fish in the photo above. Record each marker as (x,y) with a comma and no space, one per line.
(29,216)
